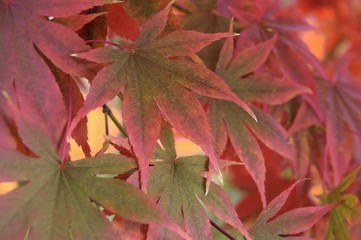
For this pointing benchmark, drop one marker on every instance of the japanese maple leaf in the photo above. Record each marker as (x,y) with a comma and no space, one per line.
(56,200)
(276,181)
(121,23)
(140,11)
(24,32)
(226,117)
(178,186)
(157,86)
(73,99)
(290,57)
(76,22)
(349,208)
(340,101)
(308,139)
(284,226)
(202,16)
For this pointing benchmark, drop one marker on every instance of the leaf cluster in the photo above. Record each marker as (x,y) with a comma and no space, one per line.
(233,77)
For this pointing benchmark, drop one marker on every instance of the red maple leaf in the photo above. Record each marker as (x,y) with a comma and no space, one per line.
(340,101)
(227,119)
(155,85)
(25,34)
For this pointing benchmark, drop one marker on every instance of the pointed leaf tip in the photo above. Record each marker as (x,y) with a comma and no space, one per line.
(220,177)
(251,113)
(5,94)
(231,23)
(171,3)
(208,184)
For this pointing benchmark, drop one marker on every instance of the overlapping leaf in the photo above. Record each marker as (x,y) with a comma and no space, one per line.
(73,100)
(56,200)
(157,86)
(121,23)
(290,56)
(287,224)
(24,30)
(202,16)
(76,22)
(178,186)
(277,179)
(226,117)
(340,100)
(140,11)
(308,140)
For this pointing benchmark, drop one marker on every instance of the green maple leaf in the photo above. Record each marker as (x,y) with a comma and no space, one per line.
(178,186)
(56,200)
(349,209)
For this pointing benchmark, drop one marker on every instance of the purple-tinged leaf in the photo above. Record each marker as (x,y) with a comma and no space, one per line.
(155,85)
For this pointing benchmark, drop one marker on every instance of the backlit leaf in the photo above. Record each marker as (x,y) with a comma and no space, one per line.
(156,86)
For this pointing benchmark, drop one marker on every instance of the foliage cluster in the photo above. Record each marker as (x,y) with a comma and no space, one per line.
(233,76)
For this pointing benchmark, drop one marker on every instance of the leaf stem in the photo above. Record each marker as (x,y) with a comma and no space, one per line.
(181,8)
(221,230)
(114,120)
(106,42)
(106,112)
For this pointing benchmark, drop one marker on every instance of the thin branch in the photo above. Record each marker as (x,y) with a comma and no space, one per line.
(221,230)
(181,8)
(106,112)
(114,120)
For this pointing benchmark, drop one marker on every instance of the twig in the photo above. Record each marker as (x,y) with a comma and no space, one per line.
(114,120)
(222,230)
(106,112)
(181,8)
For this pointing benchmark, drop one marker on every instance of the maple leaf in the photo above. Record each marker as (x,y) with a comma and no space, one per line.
(158,86)
(22,27)
(76,22)
(226,117)
(178,186)
(25,32)
(202,16)
(277,180)
(74,100)
(292,222)
(128,27)
(290,57)
(56,200)
(308,138)
(140,11)
(349,208)
(340,100)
